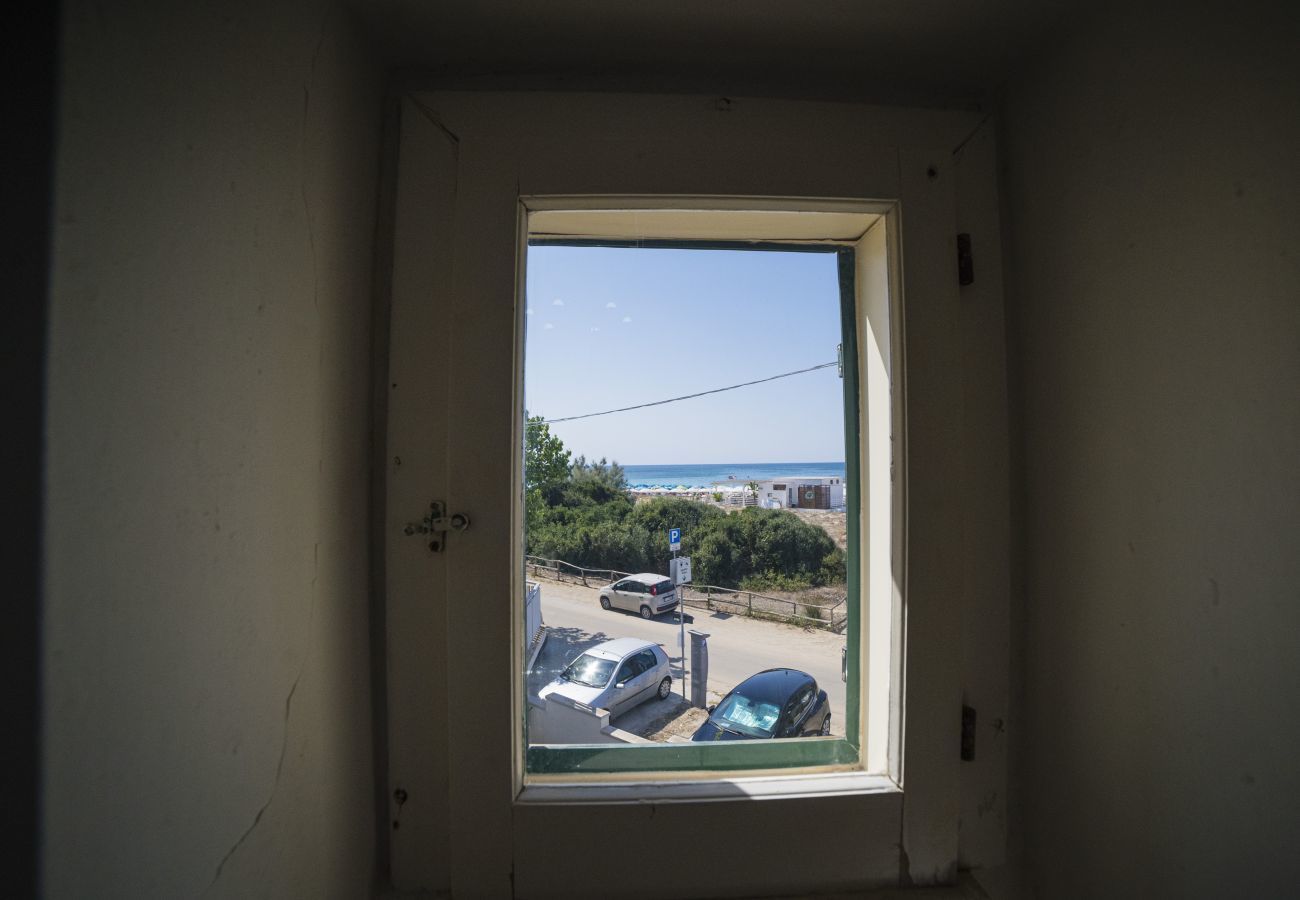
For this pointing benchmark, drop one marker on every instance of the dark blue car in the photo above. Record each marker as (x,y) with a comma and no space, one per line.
(775,703)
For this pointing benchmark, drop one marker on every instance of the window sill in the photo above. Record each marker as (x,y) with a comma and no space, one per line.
(707,789)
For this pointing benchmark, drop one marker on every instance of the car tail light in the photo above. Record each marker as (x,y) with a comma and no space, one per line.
(654,591)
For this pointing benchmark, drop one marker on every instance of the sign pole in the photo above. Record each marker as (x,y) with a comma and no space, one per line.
(681,631)
(674,541)
(681,628)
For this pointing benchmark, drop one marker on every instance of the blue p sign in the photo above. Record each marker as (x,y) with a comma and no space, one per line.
(674,539)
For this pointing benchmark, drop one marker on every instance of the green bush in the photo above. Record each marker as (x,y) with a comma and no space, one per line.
(589,520)
(774,581)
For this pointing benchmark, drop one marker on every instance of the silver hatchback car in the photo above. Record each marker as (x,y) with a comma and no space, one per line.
(648,594)
(616,675)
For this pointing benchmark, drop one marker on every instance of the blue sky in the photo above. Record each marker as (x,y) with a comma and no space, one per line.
(611,327)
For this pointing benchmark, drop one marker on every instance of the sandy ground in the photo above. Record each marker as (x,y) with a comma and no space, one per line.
(832,521)
(679,722)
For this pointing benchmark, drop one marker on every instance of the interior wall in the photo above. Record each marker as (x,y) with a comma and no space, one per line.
(27,56)
(1151,185)
(205,646)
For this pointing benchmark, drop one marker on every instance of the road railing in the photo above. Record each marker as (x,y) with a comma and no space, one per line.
(755,605)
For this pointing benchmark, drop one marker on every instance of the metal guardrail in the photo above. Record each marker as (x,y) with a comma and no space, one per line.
(707,596)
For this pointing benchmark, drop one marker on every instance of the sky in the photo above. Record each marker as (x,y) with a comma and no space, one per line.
(613,327)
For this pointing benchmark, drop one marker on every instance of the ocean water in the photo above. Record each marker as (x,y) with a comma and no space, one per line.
(697,476)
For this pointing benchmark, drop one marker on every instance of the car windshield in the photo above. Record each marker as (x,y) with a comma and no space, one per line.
(589,670)
(740,713)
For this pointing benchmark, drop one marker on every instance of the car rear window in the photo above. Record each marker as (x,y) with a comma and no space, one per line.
(663,587)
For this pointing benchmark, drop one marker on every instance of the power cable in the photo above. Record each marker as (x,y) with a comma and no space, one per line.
(731,387)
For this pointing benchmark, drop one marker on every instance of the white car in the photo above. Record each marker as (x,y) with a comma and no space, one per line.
(648,594)
(616,676)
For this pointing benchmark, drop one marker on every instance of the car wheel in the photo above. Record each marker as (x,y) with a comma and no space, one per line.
(646,614)
(665,688)
(826,725)
(604,603)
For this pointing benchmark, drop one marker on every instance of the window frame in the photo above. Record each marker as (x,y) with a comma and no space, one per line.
(460,160)
(581,766)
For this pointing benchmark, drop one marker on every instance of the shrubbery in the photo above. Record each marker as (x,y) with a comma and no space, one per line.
(586,517)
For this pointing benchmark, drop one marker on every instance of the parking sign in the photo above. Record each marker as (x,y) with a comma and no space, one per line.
(674,539)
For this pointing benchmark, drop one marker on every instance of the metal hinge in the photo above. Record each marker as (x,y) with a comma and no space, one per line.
(965,261)
(436,523)
(967,733)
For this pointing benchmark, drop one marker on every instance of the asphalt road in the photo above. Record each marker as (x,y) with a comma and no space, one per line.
(738,647)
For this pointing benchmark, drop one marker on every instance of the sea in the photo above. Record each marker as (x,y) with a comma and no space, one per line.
(703,475)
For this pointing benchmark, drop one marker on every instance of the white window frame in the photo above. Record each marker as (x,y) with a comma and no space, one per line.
(465,159)
(859,761)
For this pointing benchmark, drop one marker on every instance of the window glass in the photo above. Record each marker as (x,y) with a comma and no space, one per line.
(589,670)
(799,705)
(603,503)
(753,718)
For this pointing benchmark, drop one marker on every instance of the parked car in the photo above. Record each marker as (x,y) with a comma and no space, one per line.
(616,675)
(775,703)
(647,593)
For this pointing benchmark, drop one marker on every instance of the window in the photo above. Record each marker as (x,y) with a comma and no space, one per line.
(591,671)
(851,239)
(799,705)
(454,403)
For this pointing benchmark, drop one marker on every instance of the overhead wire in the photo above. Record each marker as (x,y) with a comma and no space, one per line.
(730,387)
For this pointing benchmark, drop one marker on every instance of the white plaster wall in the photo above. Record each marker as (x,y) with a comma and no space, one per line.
(1151,173)
(207,711)
(558,720)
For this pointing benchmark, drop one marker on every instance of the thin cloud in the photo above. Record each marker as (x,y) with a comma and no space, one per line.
(611,305)
(549,326)
(594,328)
(627,318)
(557,302)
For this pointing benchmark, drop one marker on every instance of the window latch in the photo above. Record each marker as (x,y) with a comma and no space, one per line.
(437,523)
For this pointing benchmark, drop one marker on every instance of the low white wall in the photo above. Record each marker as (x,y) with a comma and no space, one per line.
(559,720)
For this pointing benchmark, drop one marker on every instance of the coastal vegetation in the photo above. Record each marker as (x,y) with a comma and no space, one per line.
(579,511)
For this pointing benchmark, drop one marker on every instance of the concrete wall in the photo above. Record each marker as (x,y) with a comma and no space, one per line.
(207,711)
(559,720)
(1151,186)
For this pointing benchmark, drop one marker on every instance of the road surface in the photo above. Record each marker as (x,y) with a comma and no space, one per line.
(738,646)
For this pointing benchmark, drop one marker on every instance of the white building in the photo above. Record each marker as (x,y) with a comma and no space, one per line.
(815,492)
